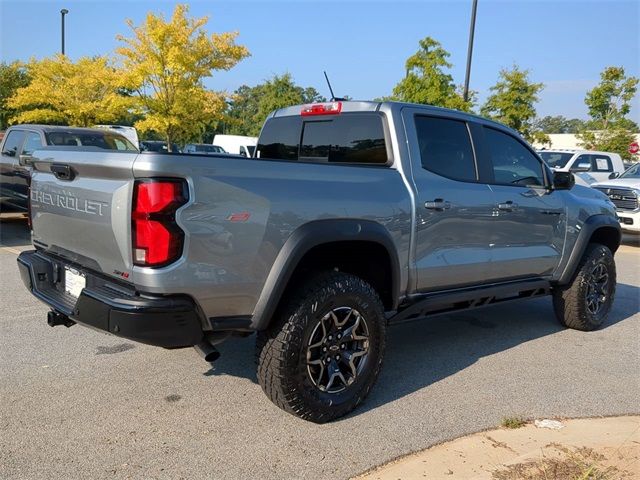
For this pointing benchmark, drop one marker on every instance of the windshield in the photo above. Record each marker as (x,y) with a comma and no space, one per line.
(209,149)
(632,172)
(555,159)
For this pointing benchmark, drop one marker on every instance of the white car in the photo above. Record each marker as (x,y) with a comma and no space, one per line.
(236,144)
(599,166)
(624,192)
(130,133)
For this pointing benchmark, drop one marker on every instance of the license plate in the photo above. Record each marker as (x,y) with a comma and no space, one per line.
(74,282)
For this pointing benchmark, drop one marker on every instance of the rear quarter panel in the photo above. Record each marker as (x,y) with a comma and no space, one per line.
(241,212)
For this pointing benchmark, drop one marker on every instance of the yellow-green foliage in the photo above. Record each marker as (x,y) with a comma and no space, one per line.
(61,91)
(166,61)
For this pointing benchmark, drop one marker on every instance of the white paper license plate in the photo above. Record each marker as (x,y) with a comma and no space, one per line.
(74,282)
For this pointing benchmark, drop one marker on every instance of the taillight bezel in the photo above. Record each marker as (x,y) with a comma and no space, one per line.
(166,217)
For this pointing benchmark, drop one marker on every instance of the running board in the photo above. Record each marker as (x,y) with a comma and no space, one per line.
(455,300)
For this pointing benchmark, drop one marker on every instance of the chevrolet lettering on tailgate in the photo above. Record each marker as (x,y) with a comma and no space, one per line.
(68,202)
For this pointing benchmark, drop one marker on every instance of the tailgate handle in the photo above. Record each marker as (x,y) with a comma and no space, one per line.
(63,172)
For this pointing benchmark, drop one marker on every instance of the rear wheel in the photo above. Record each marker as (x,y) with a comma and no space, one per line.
(322,354)
(585,303)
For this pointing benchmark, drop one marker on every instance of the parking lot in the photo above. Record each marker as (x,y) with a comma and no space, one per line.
(76,403)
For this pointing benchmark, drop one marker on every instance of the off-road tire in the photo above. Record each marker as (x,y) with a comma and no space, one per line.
(281,349)
(570,301)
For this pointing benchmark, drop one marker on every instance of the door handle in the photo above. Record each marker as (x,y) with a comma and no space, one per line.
(439,205)
(62,172)
(508,206)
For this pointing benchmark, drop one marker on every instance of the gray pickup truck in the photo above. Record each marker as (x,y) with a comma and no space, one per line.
(351,216)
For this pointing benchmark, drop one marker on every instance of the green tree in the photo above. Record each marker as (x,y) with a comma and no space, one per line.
(165,62)
(609,103)
(249,106)
(12,77)
(513,103)
(427,81)
(558,124)
(82,93)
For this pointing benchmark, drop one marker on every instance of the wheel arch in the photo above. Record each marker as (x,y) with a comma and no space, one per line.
(602,229)
(352,241)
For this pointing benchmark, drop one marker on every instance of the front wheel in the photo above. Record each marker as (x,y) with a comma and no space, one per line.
(585,303)
(322,354)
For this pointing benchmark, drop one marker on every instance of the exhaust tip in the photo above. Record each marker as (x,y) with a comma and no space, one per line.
(207,351)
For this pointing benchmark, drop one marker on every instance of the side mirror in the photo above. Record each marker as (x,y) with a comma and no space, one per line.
(563,180)
(25,160)
(614,175)
(581,167)
(9,153)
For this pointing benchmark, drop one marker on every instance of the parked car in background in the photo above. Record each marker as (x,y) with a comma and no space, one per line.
(237,144)
(158,146)
(599,165)
(129,132)
(21,141)
(203,148)
(624,192)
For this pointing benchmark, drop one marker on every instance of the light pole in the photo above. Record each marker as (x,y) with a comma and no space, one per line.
(472,29)
(63,12)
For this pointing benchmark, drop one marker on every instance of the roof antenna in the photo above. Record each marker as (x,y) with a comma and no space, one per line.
(333,97)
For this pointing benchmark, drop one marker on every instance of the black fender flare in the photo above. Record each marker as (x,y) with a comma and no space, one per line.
(592,224)
(311,235)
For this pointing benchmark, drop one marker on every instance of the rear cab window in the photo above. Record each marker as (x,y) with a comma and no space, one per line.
(349,138)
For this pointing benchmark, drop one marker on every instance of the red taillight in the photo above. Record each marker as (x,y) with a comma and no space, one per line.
(157,239)
(332,108)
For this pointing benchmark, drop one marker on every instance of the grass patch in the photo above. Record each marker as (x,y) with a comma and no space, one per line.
(513,422)
(562,464)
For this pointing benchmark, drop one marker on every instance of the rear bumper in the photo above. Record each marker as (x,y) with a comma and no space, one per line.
(164,321)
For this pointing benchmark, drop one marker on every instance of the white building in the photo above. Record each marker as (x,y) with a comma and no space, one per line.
(566,141)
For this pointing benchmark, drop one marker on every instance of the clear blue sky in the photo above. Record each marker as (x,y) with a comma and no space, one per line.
(364,44)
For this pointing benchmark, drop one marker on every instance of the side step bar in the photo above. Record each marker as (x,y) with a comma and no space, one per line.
(454,300)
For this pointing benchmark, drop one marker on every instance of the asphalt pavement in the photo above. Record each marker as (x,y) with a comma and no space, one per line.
(77,403)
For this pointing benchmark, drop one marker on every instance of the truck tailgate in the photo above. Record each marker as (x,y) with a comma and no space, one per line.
(81,207)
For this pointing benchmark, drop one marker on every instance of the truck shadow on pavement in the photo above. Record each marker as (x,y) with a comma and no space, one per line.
(14,230)
(426,351)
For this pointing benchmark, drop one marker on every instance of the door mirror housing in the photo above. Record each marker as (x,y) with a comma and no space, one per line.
(563,180)
(614,175)
(25,160)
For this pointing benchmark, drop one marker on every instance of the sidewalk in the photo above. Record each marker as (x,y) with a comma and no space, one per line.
(598,448)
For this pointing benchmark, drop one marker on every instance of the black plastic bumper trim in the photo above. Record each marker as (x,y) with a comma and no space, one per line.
(169,322)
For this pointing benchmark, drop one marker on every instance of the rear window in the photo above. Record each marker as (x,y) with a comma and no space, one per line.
(348,138)
(104,140)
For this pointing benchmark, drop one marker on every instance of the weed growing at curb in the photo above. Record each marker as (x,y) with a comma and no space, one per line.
(513,422)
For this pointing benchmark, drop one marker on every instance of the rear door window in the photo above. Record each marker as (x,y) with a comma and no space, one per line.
(601,163)
(348,138)
(445,148)
(13,142)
